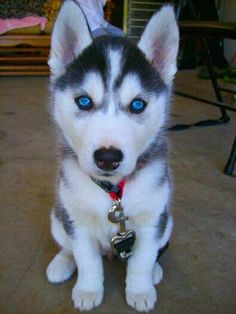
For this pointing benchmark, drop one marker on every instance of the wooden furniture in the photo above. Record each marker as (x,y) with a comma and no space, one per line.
(24,54)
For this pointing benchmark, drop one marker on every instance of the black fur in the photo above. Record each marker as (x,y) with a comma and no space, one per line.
(158,150)
(94,58)
(162,223)
(63,216)
(66,150)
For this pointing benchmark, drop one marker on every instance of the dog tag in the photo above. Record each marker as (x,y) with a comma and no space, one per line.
(122,244)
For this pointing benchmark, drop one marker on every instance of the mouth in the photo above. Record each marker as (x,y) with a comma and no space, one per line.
(106,174)
(103,175)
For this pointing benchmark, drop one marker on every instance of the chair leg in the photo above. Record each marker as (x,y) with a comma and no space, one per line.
(207,56)
(229,168)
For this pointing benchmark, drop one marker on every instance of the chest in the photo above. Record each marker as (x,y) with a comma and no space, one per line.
(88,204)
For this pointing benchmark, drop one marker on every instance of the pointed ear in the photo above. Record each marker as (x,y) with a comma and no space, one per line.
(160,41)
(69,37)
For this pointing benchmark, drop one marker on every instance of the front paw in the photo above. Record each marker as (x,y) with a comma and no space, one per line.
(142,302)
(85,300)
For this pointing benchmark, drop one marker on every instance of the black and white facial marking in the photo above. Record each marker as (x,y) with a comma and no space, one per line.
(115,104)
(111,94)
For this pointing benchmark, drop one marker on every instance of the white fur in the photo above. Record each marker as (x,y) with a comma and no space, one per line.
(92,79)
(130,89)
(115,62)
(87,204)
(103,129)
(159,42)
(61,267)
(157,274)
(68,40)
(93,230)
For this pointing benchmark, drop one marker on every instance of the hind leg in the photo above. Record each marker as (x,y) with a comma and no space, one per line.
(157,274)
(61,267)
(63,264)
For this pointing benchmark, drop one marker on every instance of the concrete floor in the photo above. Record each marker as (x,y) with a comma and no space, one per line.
(200,264)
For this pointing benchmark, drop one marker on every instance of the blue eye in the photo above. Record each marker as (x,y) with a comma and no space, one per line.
(84,102)
(137,106)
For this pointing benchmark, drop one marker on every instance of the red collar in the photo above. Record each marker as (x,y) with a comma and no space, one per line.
(118,195)
(115,191)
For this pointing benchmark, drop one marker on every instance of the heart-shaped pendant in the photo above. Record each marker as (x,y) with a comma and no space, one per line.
(122,244)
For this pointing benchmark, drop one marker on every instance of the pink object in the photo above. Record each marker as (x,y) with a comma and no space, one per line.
(9,24)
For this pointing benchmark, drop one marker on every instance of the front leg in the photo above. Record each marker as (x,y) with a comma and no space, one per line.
(88,290)
(140,291)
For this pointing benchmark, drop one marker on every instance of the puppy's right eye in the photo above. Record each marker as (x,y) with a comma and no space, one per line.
(84,102)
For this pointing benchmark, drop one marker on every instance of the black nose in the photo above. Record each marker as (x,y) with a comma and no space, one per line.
(108,158)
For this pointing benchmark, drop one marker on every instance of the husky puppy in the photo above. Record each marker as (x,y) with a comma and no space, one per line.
(110,103)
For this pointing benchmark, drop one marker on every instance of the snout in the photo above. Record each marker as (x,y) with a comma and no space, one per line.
(108,159)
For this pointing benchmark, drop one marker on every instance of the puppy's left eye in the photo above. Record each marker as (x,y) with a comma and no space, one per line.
(137,106)
(84,102)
